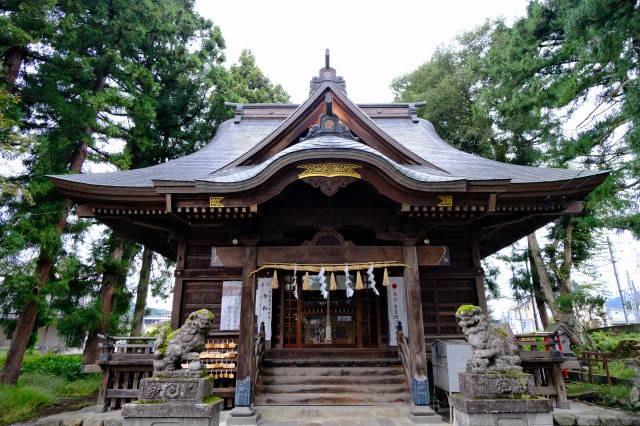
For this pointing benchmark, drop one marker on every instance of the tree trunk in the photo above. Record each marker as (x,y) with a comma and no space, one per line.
(568,320)
(110,279)
(143,289)
(27,318)
(13,58)
(564,272)
(543,275)
(28,315)
(537,292)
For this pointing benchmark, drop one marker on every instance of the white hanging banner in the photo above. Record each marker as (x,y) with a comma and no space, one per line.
(263,305)
(397,308)
(230,305)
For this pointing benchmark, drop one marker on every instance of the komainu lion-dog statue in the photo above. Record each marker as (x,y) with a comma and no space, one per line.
(183,345)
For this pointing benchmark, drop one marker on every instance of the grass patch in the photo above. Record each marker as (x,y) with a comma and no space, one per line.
(608,341)
(45,380)
(616,369)
(615,396)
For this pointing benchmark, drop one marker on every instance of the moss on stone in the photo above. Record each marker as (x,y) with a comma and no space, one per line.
(211,400)
(206,312)
(465,309)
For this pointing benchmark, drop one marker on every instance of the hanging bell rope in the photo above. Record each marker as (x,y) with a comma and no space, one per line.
(331,267)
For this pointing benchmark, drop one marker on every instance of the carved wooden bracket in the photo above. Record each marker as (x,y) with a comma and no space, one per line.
(329,185)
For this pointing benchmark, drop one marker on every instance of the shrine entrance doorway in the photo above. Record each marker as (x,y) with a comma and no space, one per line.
(305,319)
(339,321)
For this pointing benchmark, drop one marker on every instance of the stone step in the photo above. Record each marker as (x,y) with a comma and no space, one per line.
(331,388)
(332,399)
(336,413)
(331,371)
(332,362)
(332,353)
(365,379)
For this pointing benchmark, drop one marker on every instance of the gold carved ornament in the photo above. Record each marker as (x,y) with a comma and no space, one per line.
(445,201)
(216,202)
(329,170)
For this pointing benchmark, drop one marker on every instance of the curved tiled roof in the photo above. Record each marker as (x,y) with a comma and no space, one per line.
(234,139)
(333,144)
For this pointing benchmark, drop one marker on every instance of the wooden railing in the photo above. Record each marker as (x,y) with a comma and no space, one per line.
(589,357)
(541,355)
(124,361)
(258,355)
(405,354)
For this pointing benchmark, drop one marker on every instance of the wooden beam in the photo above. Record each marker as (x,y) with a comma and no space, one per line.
(176,310)
(415,327)
(427,255)
(244,392)
(477,264)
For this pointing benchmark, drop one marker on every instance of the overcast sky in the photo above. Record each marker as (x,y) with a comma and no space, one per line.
(371,43)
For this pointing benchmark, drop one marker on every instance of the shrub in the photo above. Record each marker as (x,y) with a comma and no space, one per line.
(68,367)
(607,341)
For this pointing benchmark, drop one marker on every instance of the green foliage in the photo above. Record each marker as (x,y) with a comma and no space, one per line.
(248,84)
(37,390)
(44,380)
(67,367)
(608,341)
(607,395)
(18,403)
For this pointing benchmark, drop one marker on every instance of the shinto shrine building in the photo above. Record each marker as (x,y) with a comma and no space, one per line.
(365,216)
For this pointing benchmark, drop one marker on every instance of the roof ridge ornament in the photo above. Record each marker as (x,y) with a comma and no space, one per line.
(329,123)
(327,74)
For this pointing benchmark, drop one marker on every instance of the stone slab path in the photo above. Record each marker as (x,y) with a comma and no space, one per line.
(580,414)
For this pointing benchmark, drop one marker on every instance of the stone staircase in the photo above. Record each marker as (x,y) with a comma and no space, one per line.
(332,378)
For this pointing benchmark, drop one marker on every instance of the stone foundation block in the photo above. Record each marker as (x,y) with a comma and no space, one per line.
(501,412)
(493,385)
(183,414)
(161,389)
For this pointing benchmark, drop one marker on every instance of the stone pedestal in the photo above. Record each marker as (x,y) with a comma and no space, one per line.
(500,400)
(494,385)
(424,415)
(245,416)
(173,401)
(182,414)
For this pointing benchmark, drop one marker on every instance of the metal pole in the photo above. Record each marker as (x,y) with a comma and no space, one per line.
(615,271)
(634,298)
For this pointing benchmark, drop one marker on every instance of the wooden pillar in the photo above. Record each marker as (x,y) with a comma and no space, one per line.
(176,310)
(415,327)
(244,374)
(477,265)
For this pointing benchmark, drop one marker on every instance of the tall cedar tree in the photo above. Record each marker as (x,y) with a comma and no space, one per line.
(79,74)
(505,92)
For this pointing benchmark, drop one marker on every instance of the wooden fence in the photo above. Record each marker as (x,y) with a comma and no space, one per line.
(541,355)
(127,360)
(124,362)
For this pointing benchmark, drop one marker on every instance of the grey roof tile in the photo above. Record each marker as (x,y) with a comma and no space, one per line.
(232,140)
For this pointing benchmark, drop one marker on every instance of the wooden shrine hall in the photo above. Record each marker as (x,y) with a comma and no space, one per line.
(333,224)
